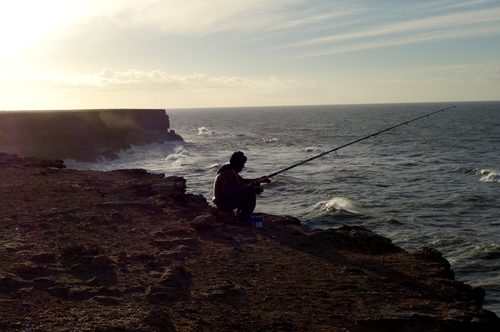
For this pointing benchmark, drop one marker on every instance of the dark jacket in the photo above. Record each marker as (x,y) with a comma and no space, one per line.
(228,188)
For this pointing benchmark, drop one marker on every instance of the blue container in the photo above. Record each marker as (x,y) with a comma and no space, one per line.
(257,220)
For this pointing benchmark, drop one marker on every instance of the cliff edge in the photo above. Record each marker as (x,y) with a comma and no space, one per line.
(83,135)
(127,250)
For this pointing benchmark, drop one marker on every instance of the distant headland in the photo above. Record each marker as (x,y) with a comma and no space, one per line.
(82,135)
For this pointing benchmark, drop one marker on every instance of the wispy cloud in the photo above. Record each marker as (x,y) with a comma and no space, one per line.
(454,25)
(201,17)
(415,26)
(479,72)
(158,79)
(412,39)
(462,4)
(109,79)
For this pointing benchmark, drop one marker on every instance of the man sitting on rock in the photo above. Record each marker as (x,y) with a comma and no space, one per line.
(232,192)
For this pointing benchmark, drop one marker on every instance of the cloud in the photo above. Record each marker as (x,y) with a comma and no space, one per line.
(133,79)
(158,79)
(468,20)
(479,72)
(156,88)
(487,73)
(202,17)
(416,38)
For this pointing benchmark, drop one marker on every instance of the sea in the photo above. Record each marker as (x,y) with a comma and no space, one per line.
(434,182)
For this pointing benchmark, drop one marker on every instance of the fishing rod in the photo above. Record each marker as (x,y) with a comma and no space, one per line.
(356,141)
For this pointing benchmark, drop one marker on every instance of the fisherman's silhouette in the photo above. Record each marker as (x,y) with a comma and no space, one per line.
(233,192)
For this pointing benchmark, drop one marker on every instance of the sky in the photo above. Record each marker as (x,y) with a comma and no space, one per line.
(60,54)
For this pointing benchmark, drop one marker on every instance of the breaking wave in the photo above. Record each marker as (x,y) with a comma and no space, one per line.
(214,166)
(312,149)
(488,175)
(337,207)
(204,131)
(486,251)
(178,157)
(269,140)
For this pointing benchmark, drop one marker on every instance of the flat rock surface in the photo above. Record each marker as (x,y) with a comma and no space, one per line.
(131,251)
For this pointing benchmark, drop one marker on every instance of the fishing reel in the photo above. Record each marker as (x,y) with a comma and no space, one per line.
(256,187)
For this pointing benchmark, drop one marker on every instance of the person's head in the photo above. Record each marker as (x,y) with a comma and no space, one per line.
(238,161)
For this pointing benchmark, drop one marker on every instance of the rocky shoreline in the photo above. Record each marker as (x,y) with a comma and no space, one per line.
(127,250)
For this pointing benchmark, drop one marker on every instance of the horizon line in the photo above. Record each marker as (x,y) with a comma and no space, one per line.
(247,106)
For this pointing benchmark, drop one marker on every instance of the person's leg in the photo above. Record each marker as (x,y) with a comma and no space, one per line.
(247,204)
(225,213)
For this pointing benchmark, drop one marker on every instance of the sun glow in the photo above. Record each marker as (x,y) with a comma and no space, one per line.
(24,23)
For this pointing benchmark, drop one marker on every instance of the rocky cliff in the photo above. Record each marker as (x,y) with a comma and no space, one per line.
(84,135)
(131,251)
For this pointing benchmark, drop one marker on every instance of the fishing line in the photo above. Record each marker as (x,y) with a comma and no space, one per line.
(356,141)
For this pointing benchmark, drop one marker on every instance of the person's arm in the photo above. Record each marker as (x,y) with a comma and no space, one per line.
(263,179)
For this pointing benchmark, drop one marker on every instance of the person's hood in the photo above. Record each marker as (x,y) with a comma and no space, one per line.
(224,168)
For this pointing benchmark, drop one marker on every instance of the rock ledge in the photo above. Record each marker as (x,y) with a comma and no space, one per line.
(131,251)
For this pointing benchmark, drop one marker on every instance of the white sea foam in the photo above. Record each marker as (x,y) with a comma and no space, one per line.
(338,206)
(311,149)
(486,251)
(269,140)
(147,156)
(204,131)
(178,157)
(338,203)
(488,175)
(214,166)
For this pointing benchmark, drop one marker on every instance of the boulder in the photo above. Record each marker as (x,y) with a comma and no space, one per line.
(205,222)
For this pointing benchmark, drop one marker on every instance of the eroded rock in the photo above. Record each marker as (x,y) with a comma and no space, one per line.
(176,276)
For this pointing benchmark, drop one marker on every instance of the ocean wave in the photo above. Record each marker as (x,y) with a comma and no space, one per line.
(488,175)
(148,156)
(269,140)
(458,169)
(486,251)
(214,166)
(338,207)
(204,131)
(393,221)
(178,156)
(312,149)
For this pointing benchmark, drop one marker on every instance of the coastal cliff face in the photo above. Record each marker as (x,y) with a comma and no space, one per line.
(84,135)
(126,250)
